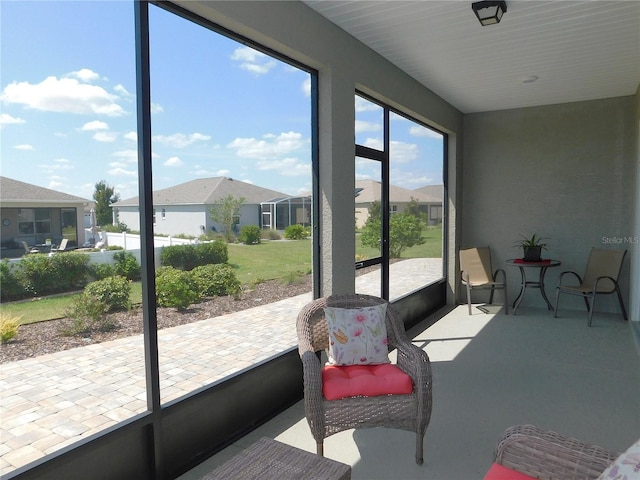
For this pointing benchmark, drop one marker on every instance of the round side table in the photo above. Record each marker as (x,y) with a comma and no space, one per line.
(542,267)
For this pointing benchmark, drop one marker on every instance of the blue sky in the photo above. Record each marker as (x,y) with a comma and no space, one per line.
(219,108)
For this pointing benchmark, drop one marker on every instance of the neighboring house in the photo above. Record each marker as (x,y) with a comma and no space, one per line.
(369,191)
(186,208)
(35,214)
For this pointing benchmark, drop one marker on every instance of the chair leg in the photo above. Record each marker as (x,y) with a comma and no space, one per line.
(555,310)
(491,296)
(593,307)
(624,312)
(419,456)
(320,448)
(469,298)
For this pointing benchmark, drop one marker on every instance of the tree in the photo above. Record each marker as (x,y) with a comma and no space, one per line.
(104,196)
(226,211)
(405,230)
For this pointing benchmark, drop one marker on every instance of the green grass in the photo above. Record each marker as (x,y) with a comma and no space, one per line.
(270,260)
(50,308)
(281,260)
(432,248)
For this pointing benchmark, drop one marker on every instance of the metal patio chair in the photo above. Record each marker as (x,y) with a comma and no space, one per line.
(600,278)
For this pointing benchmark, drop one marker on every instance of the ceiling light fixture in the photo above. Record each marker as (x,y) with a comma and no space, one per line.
(489,12)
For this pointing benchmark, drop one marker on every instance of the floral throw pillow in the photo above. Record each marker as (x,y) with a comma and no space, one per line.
(357,336)
(626,466)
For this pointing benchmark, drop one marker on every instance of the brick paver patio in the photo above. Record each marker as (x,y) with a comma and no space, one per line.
(54,400)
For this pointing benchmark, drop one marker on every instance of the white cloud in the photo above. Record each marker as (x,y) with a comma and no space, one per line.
(57,164)
(123,92)
(375,143)
(133,136)
(288,167)
(6,119)
(420,131)
(306,87)
(105,137)
(362,126)
(64,95)
(174,162)
(130,156)
(203,172)
(269,147)
(122,172)
(84,75)
(363,105)
(94,125)
(252,60)
(403,152)
(156,108)
(180,140)
(24,146)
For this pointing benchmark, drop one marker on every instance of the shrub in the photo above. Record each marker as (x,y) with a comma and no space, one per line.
(36,274)
(86,313)
(216,280)
(10,286)
(175,288)
(269,234)
(113,292)
(250,234)
(120,227)
(295,232)
(101,270)
(8,327)
(70,271)
(187,257)
(212,252)
(126,265)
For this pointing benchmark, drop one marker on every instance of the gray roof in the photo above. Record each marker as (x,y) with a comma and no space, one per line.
(371,192)
(15,191)
(434,191)
(207,191)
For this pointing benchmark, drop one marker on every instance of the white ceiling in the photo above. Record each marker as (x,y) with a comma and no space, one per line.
(579,50)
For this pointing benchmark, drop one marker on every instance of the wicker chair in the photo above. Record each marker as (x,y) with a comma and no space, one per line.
(548,455)
(407,412)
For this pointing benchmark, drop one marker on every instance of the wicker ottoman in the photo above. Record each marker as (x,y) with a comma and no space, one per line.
(269,459)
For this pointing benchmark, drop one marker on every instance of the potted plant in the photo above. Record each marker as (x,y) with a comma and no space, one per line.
(532,247)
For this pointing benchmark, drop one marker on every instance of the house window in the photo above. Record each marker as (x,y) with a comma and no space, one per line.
(43,220)
(26,221)
(34,221)
(393,209)
(164,214)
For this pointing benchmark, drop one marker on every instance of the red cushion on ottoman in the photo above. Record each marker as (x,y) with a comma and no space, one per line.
(498,472)
(364,380)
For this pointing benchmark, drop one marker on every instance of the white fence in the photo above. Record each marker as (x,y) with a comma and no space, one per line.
(128,241)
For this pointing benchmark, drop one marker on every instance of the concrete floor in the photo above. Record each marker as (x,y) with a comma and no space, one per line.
(492,371)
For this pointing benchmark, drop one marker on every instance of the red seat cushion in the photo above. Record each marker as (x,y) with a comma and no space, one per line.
(364,380)
(498,472)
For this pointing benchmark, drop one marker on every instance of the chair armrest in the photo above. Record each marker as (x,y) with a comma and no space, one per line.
(312,380)
(504,275)
(549,455)
(569,273)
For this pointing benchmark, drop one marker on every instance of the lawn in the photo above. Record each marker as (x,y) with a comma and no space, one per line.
(269,260)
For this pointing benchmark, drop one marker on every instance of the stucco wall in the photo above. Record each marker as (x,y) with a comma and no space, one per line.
(566,172)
